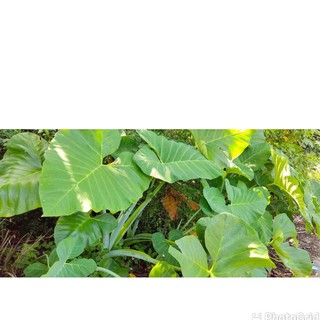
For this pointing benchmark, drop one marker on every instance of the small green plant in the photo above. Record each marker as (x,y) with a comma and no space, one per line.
(15,255)
(99,182)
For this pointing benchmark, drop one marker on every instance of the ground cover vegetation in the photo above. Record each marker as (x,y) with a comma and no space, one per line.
(157,203)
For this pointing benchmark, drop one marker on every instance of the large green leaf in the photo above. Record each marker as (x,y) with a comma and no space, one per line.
(171,161)
(192,257)
(89,228)
(288,184)
(257,137)
(35,270)
(248,204)
(263,226)
(74,268)
(295,259)
(283,228)
(70,248)
(20,169)
(235,247)
(75,178)
(312,200)
(237,167)
(161,245)
(256,156)
(221,145)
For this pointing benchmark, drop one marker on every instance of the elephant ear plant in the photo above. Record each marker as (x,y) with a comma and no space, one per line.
(98,182)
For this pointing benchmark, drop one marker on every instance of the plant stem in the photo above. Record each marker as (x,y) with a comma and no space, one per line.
(131,253)
(135,254)
(137,213)
(192,217)
(107,271)
(189,230)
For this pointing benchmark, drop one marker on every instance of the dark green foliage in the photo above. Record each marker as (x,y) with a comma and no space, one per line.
(129,199)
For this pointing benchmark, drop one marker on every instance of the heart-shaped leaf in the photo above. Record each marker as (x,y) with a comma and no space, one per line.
(295,259)
(192,257)
(234,247)
(70,248)
(248,204)
(89,228)
(75,268)
(76,179)
(221,145)
(171,161)
(255,156)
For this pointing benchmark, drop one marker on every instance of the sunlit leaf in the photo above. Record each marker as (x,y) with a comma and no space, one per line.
(233,246)
(221,145)
(75,178)
(162,270)
(191,256)
(288,184)
(171,161)
(75,268)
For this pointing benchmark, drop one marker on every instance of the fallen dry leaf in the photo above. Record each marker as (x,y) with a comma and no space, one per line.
(171,205)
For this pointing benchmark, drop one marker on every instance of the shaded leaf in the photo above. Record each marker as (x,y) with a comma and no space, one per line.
(36,269)
(90,229)
(256,156)
(239,168)
(264,227)
(297,260)
(175,234)
(20,170)
(248,204)
(312,200)
(283,228)
(70,248)
(161,245)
